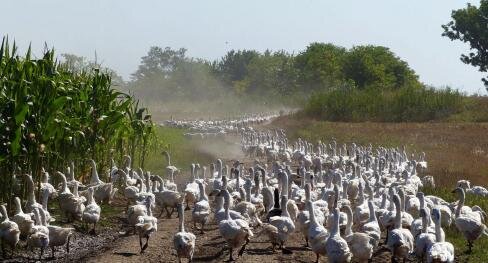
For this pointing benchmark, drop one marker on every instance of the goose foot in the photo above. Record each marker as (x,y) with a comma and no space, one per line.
(52,255)
(306,242)
(286,251)
(231,259)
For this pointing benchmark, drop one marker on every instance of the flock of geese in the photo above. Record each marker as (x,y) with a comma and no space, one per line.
(342,199)
(205,129)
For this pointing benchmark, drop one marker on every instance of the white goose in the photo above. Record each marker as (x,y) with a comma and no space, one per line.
(219,214)
(371,227)
(45,199)
(31,203)
(303,217)
(400,240)
(166,198)
(183,241)
(425,239)
(71,205)
(46,185)
(39,236)
(58,236)
(336,247)
(146,224)
(468,223)
(191,189)
(201,209)
(440,251)
(246,208)
(317,234)
(9,231)
(360,244)
(235,232)
(24,221)
(91,214)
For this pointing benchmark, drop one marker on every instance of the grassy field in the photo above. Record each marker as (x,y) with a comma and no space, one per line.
(453,151)
(183,151)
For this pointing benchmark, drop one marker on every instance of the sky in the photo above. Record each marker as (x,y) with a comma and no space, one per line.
(121,31)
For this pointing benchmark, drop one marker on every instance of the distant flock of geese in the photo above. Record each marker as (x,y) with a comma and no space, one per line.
(341,199)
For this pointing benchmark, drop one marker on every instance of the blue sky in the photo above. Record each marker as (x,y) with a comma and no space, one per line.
(122,31)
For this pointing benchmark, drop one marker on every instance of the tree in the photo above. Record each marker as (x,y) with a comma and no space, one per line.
(78,64)
(470,25)
(320,66)
(159,61)
(234,65)
(376,66)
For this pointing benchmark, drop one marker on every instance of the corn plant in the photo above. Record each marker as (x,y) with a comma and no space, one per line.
(50,115)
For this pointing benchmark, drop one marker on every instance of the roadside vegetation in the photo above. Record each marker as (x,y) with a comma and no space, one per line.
(50,115)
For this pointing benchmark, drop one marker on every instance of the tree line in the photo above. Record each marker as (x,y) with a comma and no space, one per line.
(166,73)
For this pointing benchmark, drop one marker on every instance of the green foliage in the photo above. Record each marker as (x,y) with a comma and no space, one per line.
(234,65)
(376,66)
(373,104)
(470,26)
(320,66)
(50,115)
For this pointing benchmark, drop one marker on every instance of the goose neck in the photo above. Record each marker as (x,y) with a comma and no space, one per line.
(94,175)
(18,206)
(226,206)
(181,219)
(372,214)
(349,221)
(425,221)
(460,203)
(335,225)
(398,214)
(45,198)
(4,212)
(284,206)
(248,193)
(311,212)
(438,234)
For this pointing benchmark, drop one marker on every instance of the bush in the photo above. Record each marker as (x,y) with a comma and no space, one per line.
(408,104)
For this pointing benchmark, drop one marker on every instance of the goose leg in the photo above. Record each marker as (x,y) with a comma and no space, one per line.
(470,246)
(140,243)
(67,245)
(241,251)
(202,228)
(145,246)
(317,260)
(172,211)
(306,242)
(230,255)
(161,213)
(42,252)
(52,250)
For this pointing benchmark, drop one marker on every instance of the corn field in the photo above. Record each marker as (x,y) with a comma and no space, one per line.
(50,116)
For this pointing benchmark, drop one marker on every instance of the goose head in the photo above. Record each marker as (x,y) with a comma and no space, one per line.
(436,215)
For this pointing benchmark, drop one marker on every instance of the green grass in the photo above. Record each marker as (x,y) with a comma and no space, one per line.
(405,104)
(480,249)
(183,151)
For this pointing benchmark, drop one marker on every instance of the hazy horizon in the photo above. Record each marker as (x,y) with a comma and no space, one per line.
(121,33)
